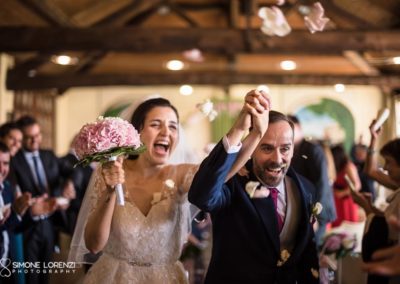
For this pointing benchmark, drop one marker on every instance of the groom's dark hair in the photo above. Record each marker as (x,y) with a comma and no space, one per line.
(275,116)
(139,115)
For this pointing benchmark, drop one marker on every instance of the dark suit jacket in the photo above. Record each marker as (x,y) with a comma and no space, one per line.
(314,167)
(8,197)
(25,180)
(246,245)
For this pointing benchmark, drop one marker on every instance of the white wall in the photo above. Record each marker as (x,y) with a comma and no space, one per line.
(82,105)
(362,101)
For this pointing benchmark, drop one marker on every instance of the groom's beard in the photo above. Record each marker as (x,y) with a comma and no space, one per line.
(271,173)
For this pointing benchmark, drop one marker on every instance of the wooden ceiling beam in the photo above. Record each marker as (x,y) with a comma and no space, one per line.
(205,78)
(15,39)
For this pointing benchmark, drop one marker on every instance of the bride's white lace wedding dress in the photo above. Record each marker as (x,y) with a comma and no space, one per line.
(145,249)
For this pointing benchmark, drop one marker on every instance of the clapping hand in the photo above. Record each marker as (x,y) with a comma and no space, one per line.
(43,205)
(22,203)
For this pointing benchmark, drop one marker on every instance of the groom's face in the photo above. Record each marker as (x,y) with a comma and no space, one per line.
(272,157)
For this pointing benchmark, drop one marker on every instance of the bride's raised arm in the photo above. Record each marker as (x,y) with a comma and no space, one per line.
(98,225)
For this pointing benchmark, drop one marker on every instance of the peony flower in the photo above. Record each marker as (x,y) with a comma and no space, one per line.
(104,138)
(315,20)
(274,22)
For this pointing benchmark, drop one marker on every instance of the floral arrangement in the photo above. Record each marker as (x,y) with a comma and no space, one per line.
(338,244)
(105,138)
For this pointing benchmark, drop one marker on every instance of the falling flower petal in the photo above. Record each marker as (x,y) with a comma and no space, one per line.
(315,20)
(274,21)
(169,183)
(280,2)
(194,55)
(207,108)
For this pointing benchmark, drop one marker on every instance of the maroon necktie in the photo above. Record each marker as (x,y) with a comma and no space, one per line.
(274,195)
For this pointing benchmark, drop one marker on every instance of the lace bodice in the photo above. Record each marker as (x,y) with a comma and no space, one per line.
(144,249)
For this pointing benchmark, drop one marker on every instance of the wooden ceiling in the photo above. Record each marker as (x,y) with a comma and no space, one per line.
(128,42)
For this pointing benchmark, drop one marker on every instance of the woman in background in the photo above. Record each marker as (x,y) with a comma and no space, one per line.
(346,208)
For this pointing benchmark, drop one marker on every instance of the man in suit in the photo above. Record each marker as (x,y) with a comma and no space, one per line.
(11,209)
(309,160)
(256,240)
(38,171)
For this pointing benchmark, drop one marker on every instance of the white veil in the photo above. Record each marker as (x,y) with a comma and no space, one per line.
(78,251)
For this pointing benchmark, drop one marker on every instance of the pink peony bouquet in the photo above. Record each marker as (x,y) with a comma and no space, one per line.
(105,138)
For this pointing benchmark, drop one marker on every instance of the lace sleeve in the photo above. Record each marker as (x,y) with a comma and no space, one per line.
(78,251)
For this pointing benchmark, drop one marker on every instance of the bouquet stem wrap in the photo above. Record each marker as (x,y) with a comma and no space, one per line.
(118,188)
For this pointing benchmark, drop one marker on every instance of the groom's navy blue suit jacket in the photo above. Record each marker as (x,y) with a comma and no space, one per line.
(246,246)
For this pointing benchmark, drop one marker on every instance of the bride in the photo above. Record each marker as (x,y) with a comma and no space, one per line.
(141,242)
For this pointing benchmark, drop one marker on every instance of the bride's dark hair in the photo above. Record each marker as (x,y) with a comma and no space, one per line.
(139,115)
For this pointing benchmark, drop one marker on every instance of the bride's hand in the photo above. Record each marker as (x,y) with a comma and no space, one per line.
(113,173)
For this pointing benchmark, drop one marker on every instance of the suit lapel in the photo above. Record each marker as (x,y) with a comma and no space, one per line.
(266,211)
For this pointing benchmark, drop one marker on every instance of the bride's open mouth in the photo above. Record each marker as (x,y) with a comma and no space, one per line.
(161,147)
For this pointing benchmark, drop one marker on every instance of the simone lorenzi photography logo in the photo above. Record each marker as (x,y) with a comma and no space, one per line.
(8,267)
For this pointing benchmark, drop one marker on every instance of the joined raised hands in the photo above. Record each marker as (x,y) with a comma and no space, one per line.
(254,113)
(258,104)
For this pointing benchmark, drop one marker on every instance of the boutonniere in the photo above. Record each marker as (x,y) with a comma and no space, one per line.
(315,211)
(253,192)
(284,257)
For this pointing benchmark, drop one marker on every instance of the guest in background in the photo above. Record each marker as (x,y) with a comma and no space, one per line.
(378,234)
(386,261)
(309,160)
(80,177)
(12,136)
(38,172)
(359,154)
(345,207)
(11,209)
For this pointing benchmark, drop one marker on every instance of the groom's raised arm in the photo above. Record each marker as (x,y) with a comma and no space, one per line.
(208,191)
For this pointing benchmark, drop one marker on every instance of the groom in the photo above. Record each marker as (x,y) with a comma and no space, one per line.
(262,222)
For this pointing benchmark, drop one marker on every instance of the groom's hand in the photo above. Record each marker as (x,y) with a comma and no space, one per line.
(258,104)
